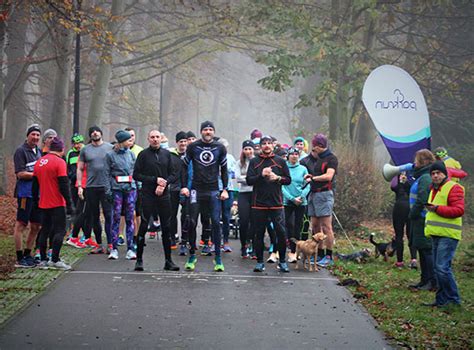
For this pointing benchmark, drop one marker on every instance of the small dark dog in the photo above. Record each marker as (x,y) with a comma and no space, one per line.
(358,257)
(385,249)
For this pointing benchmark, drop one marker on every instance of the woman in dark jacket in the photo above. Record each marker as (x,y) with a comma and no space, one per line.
(419,193)
(401,223)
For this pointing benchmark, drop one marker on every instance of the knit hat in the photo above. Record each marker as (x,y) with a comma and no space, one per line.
(248,143)
(293,150)
(298,139)
(94,128)
(266,138)
(77,138)
(190,134)
(207,124)
(181,136)
(33,127)
(256,134)
(122,136)
(320,140)
(57,145)
(439,165)
(440,152)
(49,133)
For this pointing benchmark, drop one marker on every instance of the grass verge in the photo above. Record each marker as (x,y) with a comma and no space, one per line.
(19,286)
(383,291)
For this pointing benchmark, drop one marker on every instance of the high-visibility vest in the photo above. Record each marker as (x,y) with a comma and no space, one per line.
(436,225)
(452,163)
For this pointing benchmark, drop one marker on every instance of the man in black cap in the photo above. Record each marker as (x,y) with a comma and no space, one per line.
(92,157)
(207,158)
(25,159)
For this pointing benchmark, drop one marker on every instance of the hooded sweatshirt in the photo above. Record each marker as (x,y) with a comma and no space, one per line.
(295,188)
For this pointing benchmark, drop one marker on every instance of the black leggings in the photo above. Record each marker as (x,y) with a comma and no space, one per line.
(294,223)
(261,218)
(245,218)
(152,208)
(401,225)
(54,226)
(80,221)
(95,196)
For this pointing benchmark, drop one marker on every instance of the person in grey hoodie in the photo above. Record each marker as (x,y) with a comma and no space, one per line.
(121,190)
(294,200)
(245,196)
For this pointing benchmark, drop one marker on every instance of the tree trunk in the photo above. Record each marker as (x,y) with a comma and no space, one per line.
(59,115)
(104,72)
(16,110)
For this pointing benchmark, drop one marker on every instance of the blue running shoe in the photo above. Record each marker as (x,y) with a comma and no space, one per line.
(270,250)
(25,263)
(206,251)
(183,250)
(326,261)
(191,263)
(260,267)
(283,267)
(120,241)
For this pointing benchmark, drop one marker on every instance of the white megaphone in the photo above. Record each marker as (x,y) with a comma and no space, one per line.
(389,171)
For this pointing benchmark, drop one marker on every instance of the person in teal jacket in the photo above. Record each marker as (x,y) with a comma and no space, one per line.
(294,200)
(419,193)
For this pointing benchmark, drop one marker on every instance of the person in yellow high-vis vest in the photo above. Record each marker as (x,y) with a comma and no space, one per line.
(441,153)
(444,225)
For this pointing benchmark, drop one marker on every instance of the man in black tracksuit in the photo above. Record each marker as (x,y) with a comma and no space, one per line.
(267,172)
(153,168)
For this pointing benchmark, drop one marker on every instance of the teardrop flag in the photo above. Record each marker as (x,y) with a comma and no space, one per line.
(398,110)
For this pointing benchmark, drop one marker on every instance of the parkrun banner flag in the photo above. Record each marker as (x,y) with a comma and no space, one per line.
(397,107)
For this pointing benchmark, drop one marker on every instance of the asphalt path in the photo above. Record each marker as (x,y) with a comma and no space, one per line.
(105,304)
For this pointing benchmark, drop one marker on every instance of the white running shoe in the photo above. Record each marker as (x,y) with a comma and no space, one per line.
(273,258)
(113,254)
(131,255)
(60,265)
(292,258)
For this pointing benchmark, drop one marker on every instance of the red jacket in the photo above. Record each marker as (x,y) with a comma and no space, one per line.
(455,207)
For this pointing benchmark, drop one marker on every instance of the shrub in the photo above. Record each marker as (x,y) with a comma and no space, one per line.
(361,192)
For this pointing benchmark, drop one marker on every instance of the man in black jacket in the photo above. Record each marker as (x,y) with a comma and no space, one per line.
(153,168)
(267,173)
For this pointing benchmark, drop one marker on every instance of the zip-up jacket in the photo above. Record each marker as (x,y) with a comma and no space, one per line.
(295,188)
(119,165)
(178,169)
(267,194)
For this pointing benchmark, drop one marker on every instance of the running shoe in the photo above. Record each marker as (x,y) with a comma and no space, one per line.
(30,260)
(171,266)
(270,250)
(243,253)
(399,264)
(82,239)
(25,263)
(139,265)
(218,265)
(292,259)
(97,250)
(109,248)
(120,241)
(42,264)
(131,255)
(260,267)
(191,263)
(37,254)
(91,243)
(113,254)
(183,250)
(326,261)
(227,248)
(206,251)
(201,243)
(50,253)
(283,267)
(76,243)
(273,258)
(413,264)
(174,246)
(152,235)
(59,265)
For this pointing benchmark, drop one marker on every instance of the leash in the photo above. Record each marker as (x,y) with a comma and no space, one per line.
(345,233)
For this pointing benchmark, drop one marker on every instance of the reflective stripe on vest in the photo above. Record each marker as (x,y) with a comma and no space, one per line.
(437,225)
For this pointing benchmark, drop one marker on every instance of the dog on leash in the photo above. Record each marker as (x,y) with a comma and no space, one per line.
(385,249)
(358,257)
(307,249)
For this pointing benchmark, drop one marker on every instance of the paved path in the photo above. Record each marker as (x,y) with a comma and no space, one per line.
(105,304)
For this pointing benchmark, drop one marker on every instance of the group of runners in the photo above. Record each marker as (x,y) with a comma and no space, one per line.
(273,185)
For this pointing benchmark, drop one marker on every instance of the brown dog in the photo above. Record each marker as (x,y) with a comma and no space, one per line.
(307,249)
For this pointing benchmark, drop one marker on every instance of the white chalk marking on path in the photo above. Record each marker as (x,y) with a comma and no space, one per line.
(203,275)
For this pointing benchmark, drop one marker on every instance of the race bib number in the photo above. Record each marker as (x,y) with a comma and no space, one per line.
(122,179)
(193,197)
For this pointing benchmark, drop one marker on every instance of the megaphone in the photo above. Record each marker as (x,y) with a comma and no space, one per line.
(389,171)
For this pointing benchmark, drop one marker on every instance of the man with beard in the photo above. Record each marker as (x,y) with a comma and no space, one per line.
(92,156)
(267,172)
(25,159)
(207,157)
(153,168)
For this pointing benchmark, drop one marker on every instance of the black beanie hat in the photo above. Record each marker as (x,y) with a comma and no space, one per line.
(94,128)
(248,143)
(190,134)
(439,165)
(207,124)
(181,136)
(33,127)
